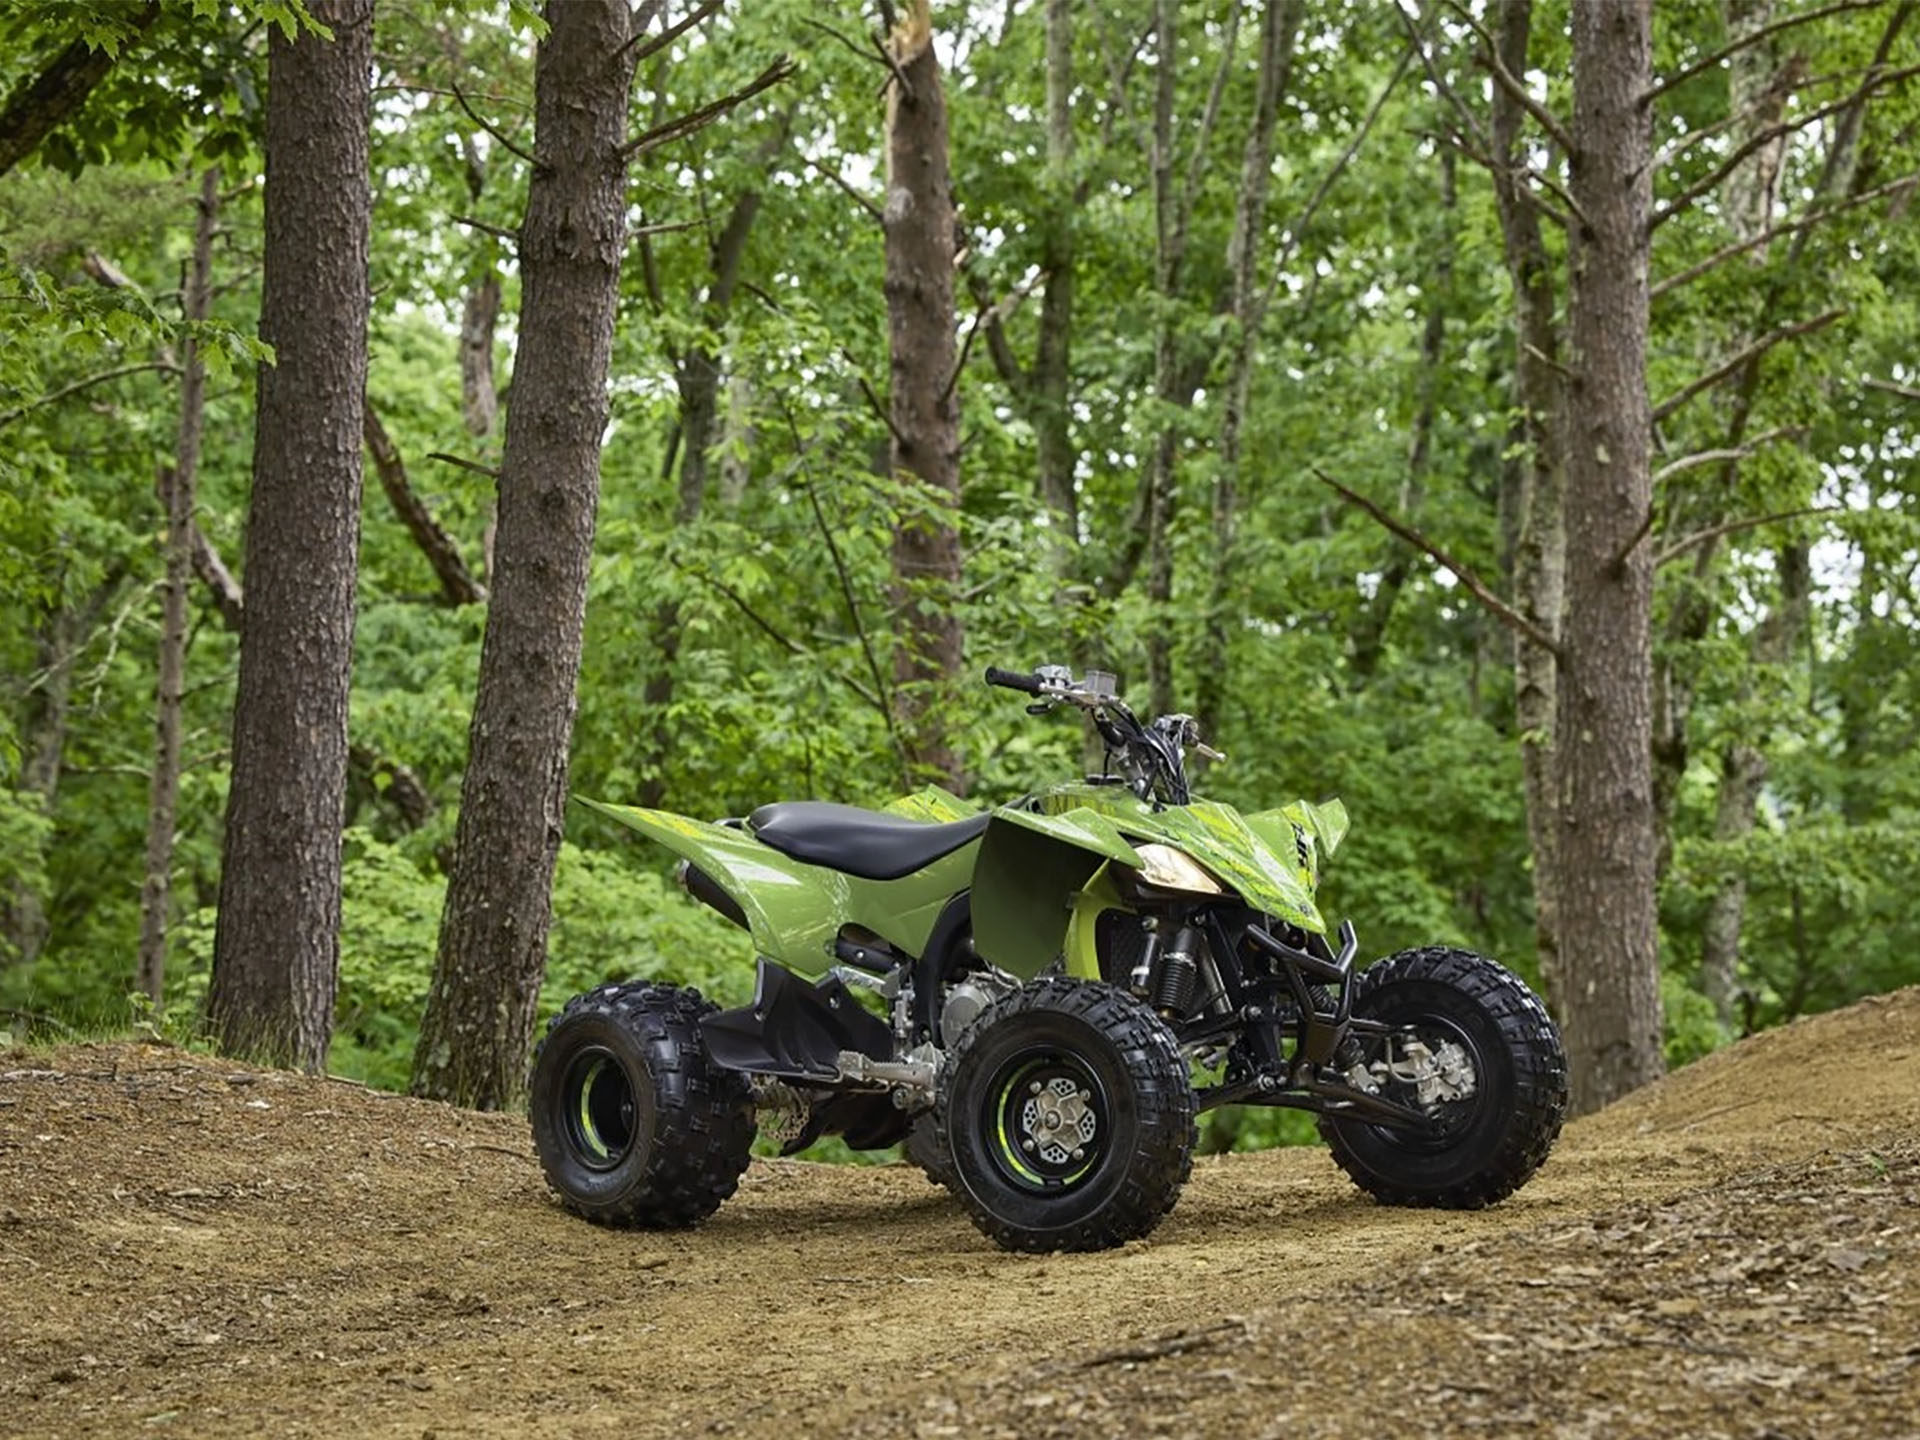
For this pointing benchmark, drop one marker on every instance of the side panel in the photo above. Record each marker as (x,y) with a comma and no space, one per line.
(1031,868)
(794,910)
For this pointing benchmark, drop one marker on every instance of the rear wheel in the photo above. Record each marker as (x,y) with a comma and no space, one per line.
(1067,1111)
(1471,1047)
(633,1124)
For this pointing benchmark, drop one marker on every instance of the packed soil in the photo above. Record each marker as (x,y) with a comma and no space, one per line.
(187,1246)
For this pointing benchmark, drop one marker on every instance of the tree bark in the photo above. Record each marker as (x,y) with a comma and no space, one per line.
(277,941)
(924,403)
(177,494)
(1610,975)
(478,1025)
(1536,481)
(41,104)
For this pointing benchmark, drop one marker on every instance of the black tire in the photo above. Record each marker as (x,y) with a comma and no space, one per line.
(1123,1093)
(1491,1141)
(925,1149)
(633,1124)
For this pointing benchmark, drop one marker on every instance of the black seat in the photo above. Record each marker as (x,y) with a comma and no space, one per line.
(866,843)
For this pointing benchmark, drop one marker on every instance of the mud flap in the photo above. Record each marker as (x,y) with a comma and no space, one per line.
(793,1029)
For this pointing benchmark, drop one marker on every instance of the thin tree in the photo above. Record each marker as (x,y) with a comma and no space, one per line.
(924,404)
(277,940)
(177,486)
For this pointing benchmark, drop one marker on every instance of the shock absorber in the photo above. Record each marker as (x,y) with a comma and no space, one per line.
(1179,973)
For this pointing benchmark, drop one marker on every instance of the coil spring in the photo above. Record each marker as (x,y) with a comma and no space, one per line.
(1178,977)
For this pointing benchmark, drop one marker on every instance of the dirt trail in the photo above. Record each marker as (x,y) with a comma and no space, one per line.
(192,1247)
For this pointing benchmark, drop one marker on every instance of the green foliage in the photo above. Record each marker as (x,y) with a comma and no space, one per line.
(1353,666)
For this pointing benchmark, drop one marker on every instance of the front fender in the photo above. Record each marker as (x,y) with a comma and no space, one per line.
(1026,882)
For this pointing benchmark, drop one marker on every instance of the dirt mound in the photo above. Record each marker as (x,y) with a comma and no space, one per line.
(188,1245)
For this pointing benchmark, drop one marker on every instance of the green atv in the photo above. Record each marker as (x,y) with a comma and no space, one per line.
(1044,981)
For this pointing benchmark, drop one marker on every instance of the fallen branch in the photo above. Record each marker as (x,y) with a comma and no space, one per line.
(1179,1343)
(1503,611)
(456,581)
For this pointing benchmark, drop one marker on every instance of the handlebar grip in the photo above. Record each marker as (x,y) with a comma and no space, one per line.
(1012,680)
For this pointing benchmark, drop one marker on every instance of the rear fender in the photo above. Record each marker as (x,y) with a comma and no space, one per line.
(795,910)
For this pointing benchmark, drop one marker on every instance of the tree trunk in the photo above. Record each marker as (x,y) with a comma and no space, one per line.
(1049,401)
(177,493)
(277,939)
(1170,238)
(478,1025)
(1537,505)
(924,403)
(1279,23)
(1610,974)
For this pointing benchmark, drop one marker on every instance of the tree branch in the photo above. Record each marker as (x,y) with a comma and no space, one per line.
(835,176)
(456,581)
(1752,352)
(1754,37)
(864,54)
(1701,537)
(87,382)
(42,103)
(1491,62)
(1715,457)
(512,237)
(498,138)
(853,611)
(465,464)
(672,33)
(1762,138)
(1481,149)
(1905,392)
(693,121)
(772,632)
(1694,272)
(228,598)
(1296,231)
(1499,608)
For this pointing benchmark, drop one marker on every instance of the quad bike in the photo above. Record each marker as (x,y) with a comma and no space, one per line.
(1043,982)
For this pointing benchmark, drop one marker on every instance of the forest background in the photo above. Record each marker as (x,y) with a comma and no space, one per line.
(1216,262)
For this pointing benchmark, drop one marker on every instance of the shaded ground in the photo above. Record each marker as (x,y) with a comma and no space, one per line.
(187,1246)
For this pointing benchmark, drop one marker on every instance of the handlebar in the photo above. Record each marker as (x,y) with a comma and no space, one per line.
(1013,680)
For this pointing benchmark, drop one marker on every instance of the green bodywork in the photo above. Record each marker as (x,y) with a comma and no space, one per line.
(795,910)
(1040,877)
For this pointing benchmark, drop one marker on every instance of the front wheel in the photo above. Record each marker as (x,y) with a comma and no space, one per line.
(1472,1048)
(633,1124)
(1067,1112)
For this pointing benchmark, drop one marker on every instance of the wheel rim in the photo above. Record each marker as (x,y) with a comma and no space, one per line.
(1047,1121)
(1451,1119)
(597,1103)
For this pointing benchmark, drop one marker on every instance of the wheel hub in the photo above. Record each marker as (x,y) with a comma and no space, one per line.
(1057,1123)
